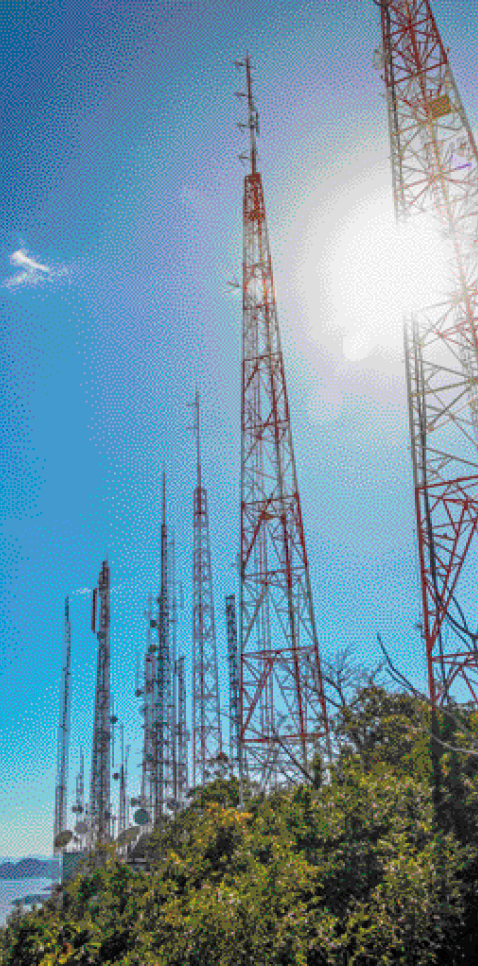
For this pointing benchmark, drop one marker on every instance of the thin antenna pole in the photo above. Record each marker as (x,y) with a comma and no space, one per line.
(197,433)
(61,792)
(253,118)
(174,670)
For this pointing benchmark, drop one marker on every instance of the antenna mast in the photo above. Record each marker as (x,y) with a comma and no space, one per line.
(435,176)
(207,738)
(173,696)
(79,806)
(233,681)
(148,711)
(162,736)
(100,806)
(182,734)
(123,821)
(282,709)
(63,734)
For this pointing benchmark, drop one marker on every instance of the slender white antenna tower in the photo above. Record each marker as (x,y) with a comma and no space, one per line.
(63,739)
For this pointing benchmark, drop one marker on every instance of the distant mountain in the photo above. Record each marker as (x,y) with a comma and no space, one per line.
(29,869)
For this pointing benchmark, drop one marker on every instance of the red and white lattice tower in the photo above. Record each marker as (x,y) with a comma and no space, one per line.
(282,708)
(435,177)
(207,738)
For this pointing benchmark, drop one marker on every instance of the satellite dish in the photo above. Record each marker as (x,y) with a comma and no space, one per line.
(81,828)
(128,835)
(141,817)
(62,839)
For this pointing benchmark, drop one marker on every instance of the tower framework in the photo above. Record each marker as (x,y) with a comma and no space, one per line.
(161,778)
(79,809)
(173,691)
(100,804)
(61,790)
(182,743)
(123,810)
(233,681)
(207,732)
(148,711)
(435,176)
(282,708)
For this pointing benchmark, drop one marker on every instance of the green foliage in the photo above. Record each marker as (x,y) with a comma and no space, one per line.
(353,871)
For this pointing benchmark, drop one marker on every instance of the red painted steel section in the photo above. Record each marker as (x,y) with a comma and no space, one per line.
(281,697)
(435,173)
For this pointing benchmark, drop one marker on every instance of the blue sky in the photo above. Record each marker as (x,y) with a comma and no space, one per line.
(120,215)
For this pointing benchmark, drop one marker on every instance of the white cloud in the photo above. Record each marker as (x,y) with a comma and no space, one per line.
(31,272)
(82,592)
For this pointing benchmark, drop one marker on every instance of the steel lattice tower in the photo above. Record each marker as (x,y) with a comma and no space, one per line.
(123,811)
(182,733)
(282,708)
(207,738)
(162,778)
(173,695)
(79,807)
(147,710)
(435,175)
(233,681)
(60,823)
(100,805)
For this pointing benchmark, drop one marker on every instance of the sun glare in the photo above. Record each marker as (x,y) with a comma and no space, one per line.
(375,271)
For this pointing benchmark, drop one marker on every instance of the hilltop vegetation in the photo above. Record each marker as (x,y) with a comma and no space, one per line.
(356,871)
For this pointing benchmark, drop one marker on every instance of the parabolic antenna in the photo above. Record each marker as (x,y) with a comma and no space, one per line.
(128,835)
(141,817)
(62,839)
(81,828)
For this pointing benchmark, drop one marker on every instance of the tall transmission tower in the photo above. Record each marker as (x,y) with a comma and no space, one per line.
(435,176)
(61,789)
(81,826)
(123,811)
(100,805)
(162,778)
(182,734)
(173,690)
(207,736)
(282,708)
(233,681)
(147,692)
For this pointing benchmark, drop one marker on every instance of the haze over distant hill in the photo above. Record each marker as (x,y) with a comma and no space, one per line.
(29,868)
